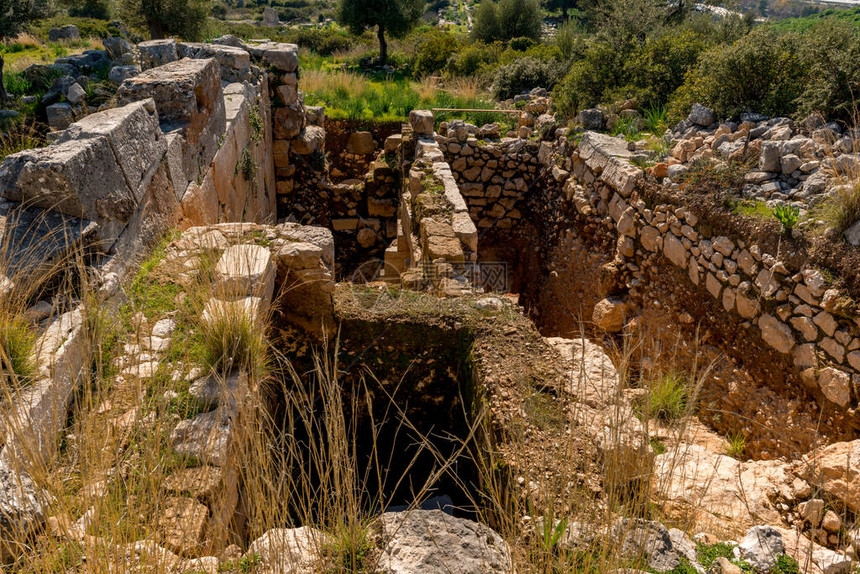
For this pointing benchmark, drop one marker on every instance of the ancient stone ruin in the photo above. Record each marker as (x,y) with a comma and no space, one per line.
(491,296)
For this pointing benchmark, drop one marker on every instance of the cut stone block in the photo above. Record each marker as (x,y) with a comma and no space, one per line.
(201,482)
(422,122)
(440,242)
(184,525)
(189,100)
(245,271)
(283,57)
(154,53)
(465,230)
(134,136)
(235,62)
(80,178)
(205,437)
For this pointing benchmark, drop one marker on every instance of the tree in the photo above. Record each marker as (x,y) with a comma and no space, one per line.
(14,14)
(183,18)
(395,17)
(486,26)
(520,19)
(507,20)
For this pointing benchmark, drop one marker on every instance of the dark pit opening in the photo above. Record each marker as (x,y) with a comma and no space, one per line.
(390,372)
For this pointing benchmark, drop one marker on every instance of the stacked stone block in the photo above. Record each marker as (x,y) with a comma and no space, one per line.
(494,176)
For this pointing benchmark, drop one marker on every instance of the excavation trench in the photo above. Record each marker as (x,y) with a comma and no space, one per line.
(560,267)
(398,398)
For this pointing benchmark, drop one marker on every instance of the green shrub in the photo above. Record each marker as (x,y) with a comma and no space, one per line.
(736,444)
(656,69)
(474,58)
(708,553)
(506,20)
(841,210)
(589,79)
(17,84)
(99,9)
(16,345)
(323,41)
(761,72)
(570,40)
(525,74)
(19,137)
(785,564)
(521,44)
(787,215)
(831,51)
(433,53)
(86,26)
(668,397)
(485,27)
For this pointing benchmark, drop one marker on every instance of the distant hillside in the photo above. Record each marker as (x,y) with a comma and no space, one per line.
(805,23)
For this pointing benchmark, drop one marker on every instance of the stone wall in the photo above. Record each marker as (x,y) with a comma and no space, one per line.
(434,229)
(354,144)
(794,310)
(494,175)
(189,143)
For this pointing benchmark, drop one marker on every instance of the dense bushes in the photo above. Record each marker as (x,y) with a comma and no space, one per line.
(88,27)
(323,41)
(760,72)
(779,73)
(90,9)
(620,63)
(831,54)
(506,20)
(524,74)
(433,52)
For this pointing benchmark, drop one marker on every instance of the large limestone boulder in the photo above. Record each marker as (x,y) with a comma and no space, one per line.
(610,157)
(433,542)
(154,53)
(639,539)
(134,137)
(283,57)
(834,470)
(811,557)
(235,62)
(80,178)
(311,139)
(761,547)
(701,115)
(245,271)
(440,241)
(422,122)
(720,492)
(592,377)
(205,437)
(292,550)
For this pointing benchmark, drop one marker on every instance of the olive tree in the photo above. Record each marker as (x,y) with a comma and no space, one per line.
(392,17)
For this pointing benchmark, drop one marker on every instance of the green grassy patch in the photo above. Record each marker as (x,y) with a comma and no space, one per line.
(149,294)
(753,208)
